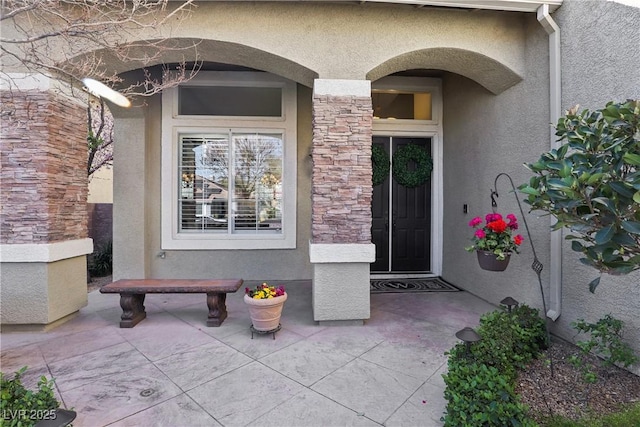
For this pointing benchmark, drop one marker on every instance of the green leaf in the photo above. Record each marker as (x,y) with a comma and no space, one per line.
(636,197)
(621,188)
(532,191)
(595,178)
(623,239)
(631,226)
(576,246)
(631,159)
(605,234)
(594,284)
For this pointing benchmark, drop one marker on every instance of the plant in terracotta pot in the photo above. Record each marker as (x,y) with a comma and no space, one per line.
(493,240)
(265,304)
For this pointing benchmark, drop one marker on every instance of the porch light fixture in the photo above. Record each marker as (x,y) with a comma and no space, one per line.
(509,302)
(103,91)
(468,336)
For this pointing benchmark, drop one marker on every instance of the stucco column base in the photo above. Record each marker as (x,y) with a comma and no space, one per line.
(340,288)
(42,285)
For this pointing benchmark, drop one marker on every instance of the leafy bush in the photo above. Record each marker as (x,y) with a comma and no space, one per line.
(480,395)
(605,341)
(510,340)
(101,263)
(480,382)
(591,184)
(22,407)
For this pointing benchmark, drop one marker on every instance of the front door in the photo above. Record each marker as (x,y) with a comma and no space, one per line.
(401,217)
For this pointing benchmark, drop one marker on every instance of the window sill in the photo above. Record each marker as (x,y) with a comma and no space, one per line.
(236,242)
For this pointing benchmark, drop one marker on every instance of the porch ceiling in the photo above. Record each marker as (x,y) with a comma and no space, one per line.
(507,5)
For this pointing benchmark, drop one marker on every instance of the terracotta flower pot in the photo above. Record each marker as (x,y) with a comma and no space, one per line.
(490,262)
(265,313)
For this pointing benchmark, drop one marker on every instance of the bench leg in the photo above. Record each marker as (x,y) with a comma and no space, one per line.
(132,309)
(217,308)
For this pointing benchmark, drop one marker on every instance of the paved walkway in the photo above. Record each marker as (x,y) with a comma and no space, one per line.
(172,370)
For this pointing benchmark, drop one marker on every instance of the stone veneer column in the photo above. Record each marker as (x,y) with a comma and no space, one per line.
(43,241)
(341,248)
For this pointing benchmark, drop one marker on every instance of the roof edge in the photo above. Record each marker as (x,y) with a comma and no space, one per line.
(504,5)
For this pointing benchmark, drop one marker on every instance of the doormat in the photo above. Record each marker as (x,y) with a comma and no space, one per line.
(431,284)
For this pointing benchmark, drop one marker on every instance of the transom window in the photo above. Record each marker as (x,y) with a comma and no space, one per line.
(230,101)
(229,165)
(401,105)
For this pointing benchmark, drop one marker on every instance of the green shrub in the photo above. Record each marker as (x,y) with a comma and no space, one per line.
(480,382)
(591,184)
(605,341)
(101,262)
(510,340)
(22,407)
(480,395)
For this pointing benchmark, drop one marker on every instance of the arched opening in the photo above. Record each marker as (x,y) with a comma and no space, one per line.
(493,75)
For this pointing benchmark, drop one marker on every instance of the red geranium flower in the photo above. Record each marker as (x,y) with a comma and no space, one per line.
(497,226)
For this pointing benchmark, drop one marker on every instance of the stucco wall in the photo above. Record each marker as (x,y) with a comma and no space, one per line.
(38,293)
(302,41)
(485,135)
(101,186)
(598,67)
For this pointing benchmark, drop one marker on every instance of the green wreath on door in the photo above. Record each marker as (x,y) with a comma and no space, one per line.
(412,178)
(380,164)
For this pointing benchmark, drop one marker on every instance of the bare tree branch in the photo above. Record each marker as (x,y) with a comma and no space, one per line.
(73,39)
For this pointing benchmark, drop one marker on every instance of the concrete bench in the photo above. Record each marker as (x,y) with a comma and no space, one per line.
(132,293)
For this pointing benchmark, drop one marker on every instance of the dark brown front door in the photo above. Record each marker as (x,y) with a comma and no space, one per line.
(401,218)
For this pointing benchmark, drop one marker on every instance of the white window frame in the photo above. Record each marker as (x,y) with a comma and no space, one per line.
(173,124)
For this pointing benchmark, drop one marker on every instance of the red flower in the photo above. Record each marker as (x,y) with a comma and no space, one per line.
(497,226)
(518,239)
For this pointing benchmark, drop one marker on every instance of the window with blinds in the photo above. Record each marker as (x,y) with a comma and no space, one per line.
(229,162)
(230,183)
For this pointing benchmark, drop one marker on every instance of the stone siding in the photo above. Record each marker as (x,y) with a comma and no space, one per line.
(43,169)
(341,184)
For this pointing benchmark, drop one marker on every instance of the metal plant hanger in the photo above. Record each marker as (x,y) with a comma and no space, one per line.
(536,265)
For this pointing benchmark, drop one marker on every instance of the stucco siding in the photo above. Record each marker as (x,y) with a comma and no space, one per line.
(302,41)
(39,293)
(598,67)
(485,135)
(129,199)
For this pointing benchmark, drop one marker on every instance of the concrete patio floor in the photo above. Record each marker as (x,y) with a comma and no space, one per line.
(172,370)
